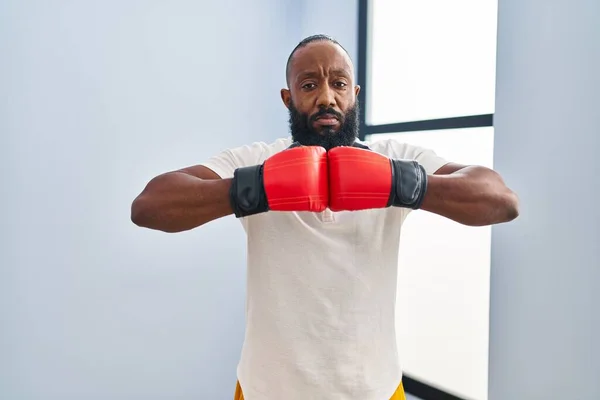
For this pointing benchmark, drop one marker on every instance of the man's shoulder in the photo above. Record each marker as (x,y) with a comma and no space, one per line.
(396,148)
(399,149)
(277,145)
(272,147)
(388,147)
(258,151)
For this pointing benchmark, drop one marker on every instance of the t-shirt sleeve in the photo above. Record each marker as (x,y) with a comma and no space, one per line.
(430,160)
(424,156)
(226,162)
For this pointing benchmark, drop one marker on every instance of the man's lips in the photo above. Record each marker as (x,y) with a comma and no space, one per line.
(327,119)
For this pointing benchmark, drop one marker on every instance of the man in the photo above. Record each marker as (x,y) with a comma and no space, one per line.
(323,214)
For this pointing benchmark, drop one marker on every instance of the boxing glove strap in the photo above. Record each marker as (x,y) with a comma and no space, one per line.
(247,193)
(409,184)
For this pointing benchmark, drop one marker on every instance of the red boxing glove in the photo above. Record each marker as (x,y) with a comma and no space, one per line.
(362,179)
(292,180)
(296,180)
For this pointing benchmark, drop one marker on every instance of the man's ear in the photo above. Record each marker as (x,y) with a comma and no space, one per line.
(286,97)
(356,90)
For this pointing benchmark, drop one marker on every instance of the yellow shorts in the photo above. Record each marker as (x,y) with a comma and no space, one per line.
(398,395)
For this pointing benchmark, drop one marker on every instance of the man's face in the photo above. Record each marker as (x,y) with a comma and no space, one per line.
(322,97)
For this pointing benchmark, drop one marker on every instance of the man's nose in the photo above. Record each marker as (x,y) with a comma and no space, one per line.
(326,97)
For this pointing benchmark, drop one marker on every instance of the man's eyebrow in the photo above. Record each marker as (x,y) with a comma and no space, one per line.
(307,74)
(341,71)
(315,74)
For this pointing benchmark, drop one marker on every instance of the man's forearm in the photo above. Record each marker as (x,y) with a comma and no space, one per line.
(177,201)
(473,196)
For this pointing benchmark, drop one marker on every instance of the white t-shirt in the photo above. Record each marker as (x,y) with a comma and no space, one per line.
(321,292)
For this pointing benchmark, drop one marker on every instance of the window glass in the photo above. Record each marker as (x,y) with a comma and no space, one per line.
(430,59)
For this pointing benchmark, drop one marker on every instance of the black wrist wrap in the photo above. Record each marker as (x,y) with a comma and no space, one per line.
(247,193)
(409,184)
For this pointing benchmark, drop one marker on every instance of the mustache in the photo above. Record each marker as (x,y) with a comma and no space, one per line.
(325,111)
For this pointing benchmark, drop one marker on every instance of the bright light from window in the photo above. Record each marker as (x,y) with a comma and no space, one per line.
(443,284)
(431,59)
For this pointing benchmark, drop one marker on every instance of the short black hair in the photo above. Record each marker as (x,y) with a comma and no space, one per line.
(314,38)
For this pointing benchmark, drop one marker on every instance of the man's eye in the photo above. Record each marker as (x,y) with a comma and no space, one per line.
(308,86)
(341,84)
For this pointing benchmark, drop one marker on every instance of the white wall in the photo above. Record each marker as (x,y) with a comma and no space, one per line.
(545,282)
(96,98)
(337,18)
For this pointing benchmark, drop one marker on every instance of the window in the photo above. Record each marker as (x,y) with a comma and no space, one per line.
(427,71)
(430,59)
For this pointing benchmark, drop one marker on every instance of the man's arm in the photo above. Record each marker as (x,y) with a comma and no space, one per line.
(470,195)
(182,200)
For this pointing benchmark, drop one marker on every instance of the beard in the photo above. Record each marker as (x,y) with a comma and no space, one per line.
(303,132)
